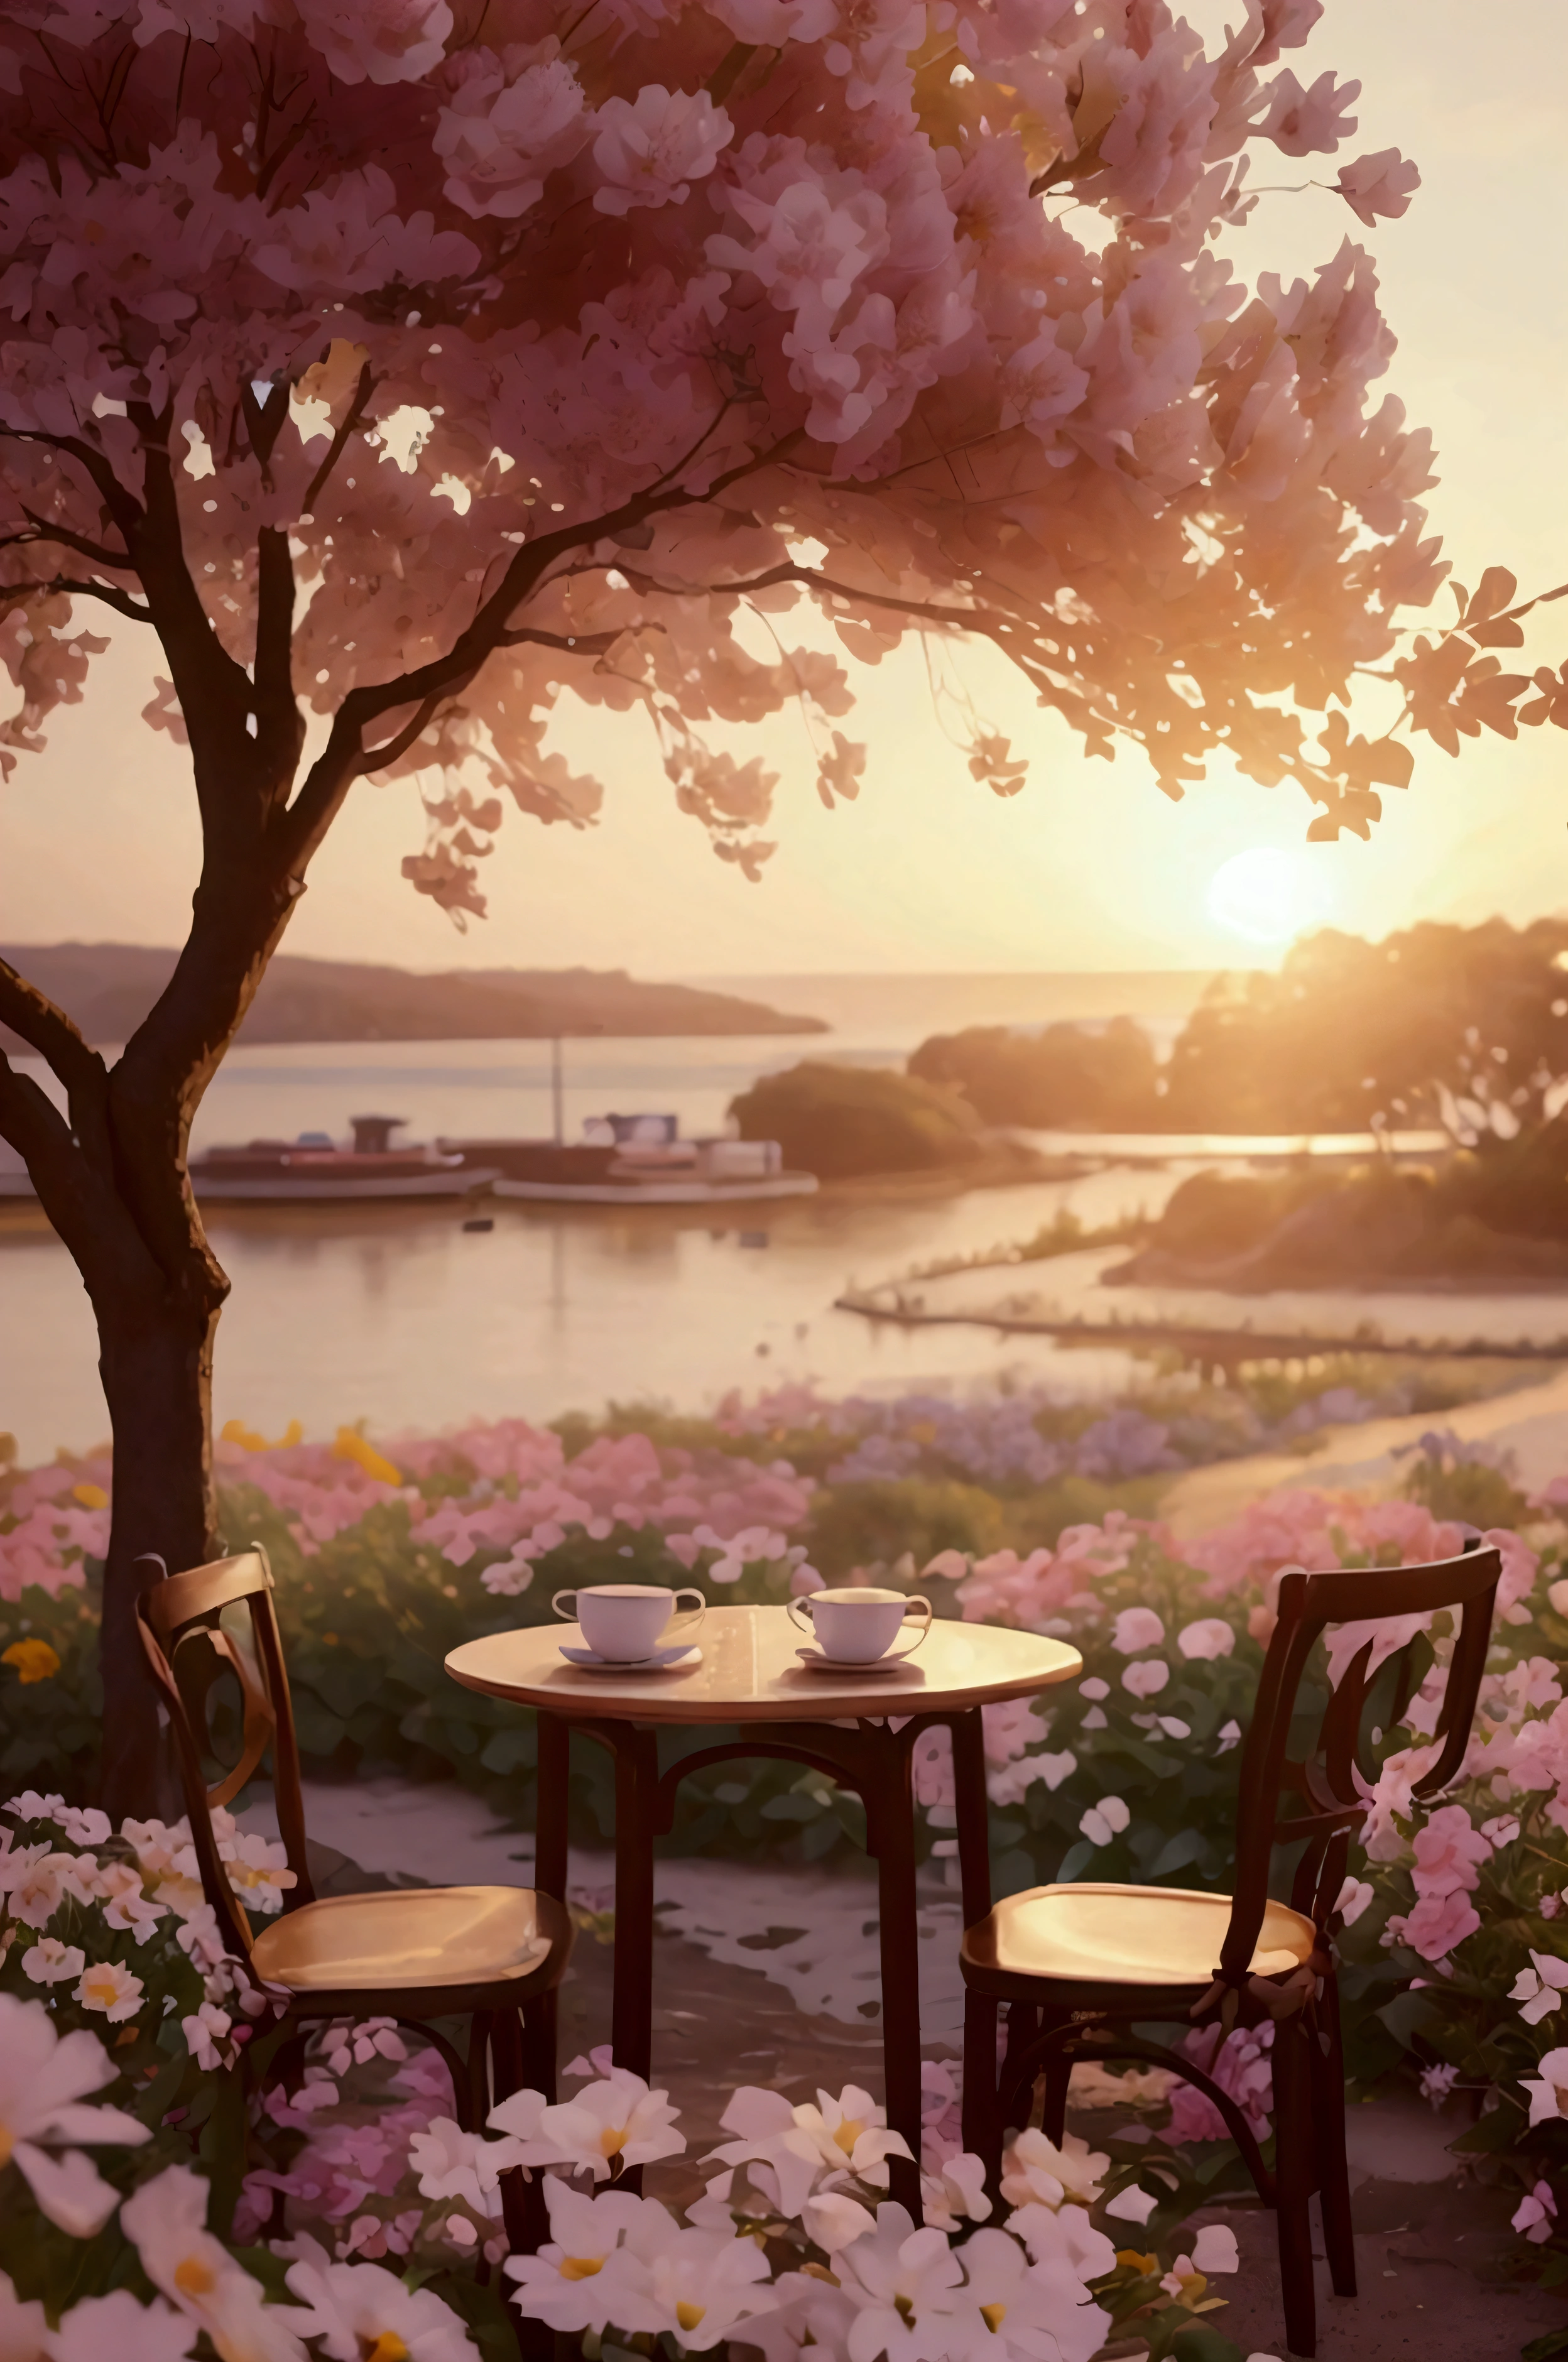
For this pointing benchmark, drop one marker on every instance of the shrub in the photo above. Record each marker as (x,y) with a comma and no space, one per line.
(842,1121)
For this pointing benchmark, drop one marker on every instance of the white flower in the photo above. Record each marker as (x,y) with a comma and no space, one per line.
(1540,1988)
(1215,2249)
(1209,1638)
(1502,1831)
(833,2220)
(30,1806)
(1147,1678)
(204,2032)
(116,2325)
(608,2124)
(51,1962)
(1229,1734)
(583,2276)
(906,2285)
(1022,2308)
(33,1878)
(43,2079)
(24,2328)
(107,1986)
(358,2310)
(257,1871)
(1034,2170)
(1549,2091)
(808,2148)
(956,2194)
(344,2043)
(1131,2205)
(1535,2215)
(451,2163)
(1354,1897)
(1135,1628)
(1105,1820)
(702,2283)
(1437,2082)
(1062,2239)
(126,1906)
(165,2218)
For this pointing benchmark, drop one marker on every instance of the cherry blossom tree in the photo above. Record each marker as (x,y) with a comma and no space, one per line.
(405,368)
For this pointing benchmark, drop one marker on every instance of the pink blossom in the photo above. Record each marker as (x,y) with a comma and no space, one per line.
(1136,1628)
(1536,2214)
(1238,2063)
(1300,121)
(1208,1638)
(501,141)
(1448,1851)
(1437,1924)
(1381,185)
(649,152)
(395,40)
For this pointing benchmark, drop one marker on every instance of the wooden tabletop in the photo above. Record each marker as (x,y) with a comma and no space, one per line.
(750,1672)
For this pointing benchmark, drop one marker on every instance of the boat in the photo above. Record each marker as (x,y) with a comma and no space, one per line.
(634,1160)
(316,1169)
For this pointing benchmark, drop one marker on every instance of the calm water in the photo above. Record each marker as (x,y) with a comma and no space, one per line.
(395,1315)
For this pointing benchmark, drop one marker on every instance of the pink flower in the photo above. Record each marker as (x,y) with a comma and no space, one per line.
(394,41)
(1300,121)
(1448,1849)
(1209,1638)
(501,141)
(1147,1678)
(1536,2214)
(649,152)
(1136,1628)
(1383,184)
(1238,2063)
(1437,1924)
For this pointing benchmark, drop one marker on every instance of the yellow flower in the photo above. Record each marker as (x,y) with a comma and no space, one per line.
(92,1496)
(351,1445)
(235,1431)
(35,1661)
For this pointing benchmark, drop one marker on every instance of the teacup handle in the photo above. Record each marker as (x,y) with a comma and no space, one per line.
(569,1613)
(793,1608)
(698,1611)
(917,1602)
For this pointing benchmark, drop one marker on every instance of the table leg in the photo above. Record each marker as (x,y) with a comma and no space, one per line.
(551,1850)
(890,1829)
(973,1807)
(552,1795)
(636,1786)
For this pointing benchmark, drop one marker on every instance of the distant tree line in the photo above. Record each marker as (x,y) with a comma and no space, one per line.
(1462,1026)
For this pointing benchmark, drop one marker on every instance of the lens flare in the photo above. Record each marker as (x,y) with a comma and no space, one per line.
(1267,896)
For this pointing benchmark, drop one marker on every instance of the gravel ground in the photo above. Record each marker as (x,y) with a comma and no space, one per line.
(768,1975)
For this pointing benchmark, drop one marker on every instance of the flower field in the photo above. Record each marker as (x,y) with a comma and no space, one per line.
(387,1556)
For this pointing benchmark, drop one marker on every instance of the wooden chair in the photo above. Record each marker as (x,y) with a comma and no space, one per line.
(1079,1967)
(493,1954)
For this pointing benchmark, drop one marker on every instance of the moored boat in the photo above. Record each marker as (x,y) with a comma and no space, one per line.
(316,1170)
(634,1160)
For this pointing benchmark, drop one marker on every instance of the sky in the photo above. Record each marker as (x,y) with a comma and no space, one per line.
(1090,868)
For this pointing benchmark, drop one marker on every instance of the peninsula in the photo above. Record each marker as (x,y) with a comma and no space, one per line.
(107,989)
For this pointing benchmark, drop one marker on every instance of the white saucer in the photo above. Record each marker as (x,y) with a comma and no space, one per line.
(683,1653)
(815,1662)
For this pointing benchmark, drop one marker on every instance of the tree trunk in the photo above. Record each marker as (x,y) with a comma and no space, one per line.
(157,1371)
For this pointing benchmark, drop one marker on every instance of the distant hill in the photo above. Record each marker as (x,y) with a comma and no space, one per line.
(108,988)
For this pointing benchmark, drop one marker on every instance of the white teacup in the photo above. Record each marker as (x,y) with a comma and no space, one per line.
(857,1625)
(624,1621)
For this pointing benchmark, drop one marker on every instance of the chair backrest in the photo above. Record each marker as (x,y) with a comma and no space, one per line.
(188,1647)
(1329,1806)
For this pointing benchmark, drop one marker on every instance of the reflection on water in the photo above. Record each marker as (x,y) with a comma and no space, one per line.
(397,1315)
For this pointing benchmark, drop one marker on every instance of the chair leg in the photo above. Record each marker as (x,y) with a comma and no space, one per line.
(982,2119)
(1058,2075)
(539,2044)
(523,2206)
(472,2102)
(1328,2065)
(1293,2152)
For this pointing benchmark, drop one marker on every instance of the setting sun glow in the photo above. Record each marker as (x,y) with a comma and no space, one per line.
(1267,896)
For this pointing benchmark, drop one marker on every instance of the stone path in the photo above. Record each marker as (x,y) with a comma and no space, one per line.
(768,1974)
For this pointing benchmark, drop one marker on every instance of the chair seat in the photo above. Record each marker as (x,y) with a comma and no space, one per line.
(401,1940)
(1126,1936)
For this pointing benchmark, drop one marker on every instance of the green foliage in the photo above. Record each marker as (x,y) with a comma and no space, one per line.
(840,1121)
(49,1723)
(1101,1076)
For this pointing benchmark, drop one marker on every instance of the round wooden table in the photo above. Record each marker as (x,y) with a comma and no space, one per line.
(859,1728)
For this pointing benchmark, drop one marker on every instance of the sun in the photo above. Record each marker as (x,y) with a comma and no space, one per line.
(1267,896)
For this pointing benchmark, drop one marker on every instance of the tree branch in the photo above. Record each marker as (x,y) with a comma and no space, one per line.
(120,560)
(340,436)
(120,601)
(376,759)
(280,728)
(122,506)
